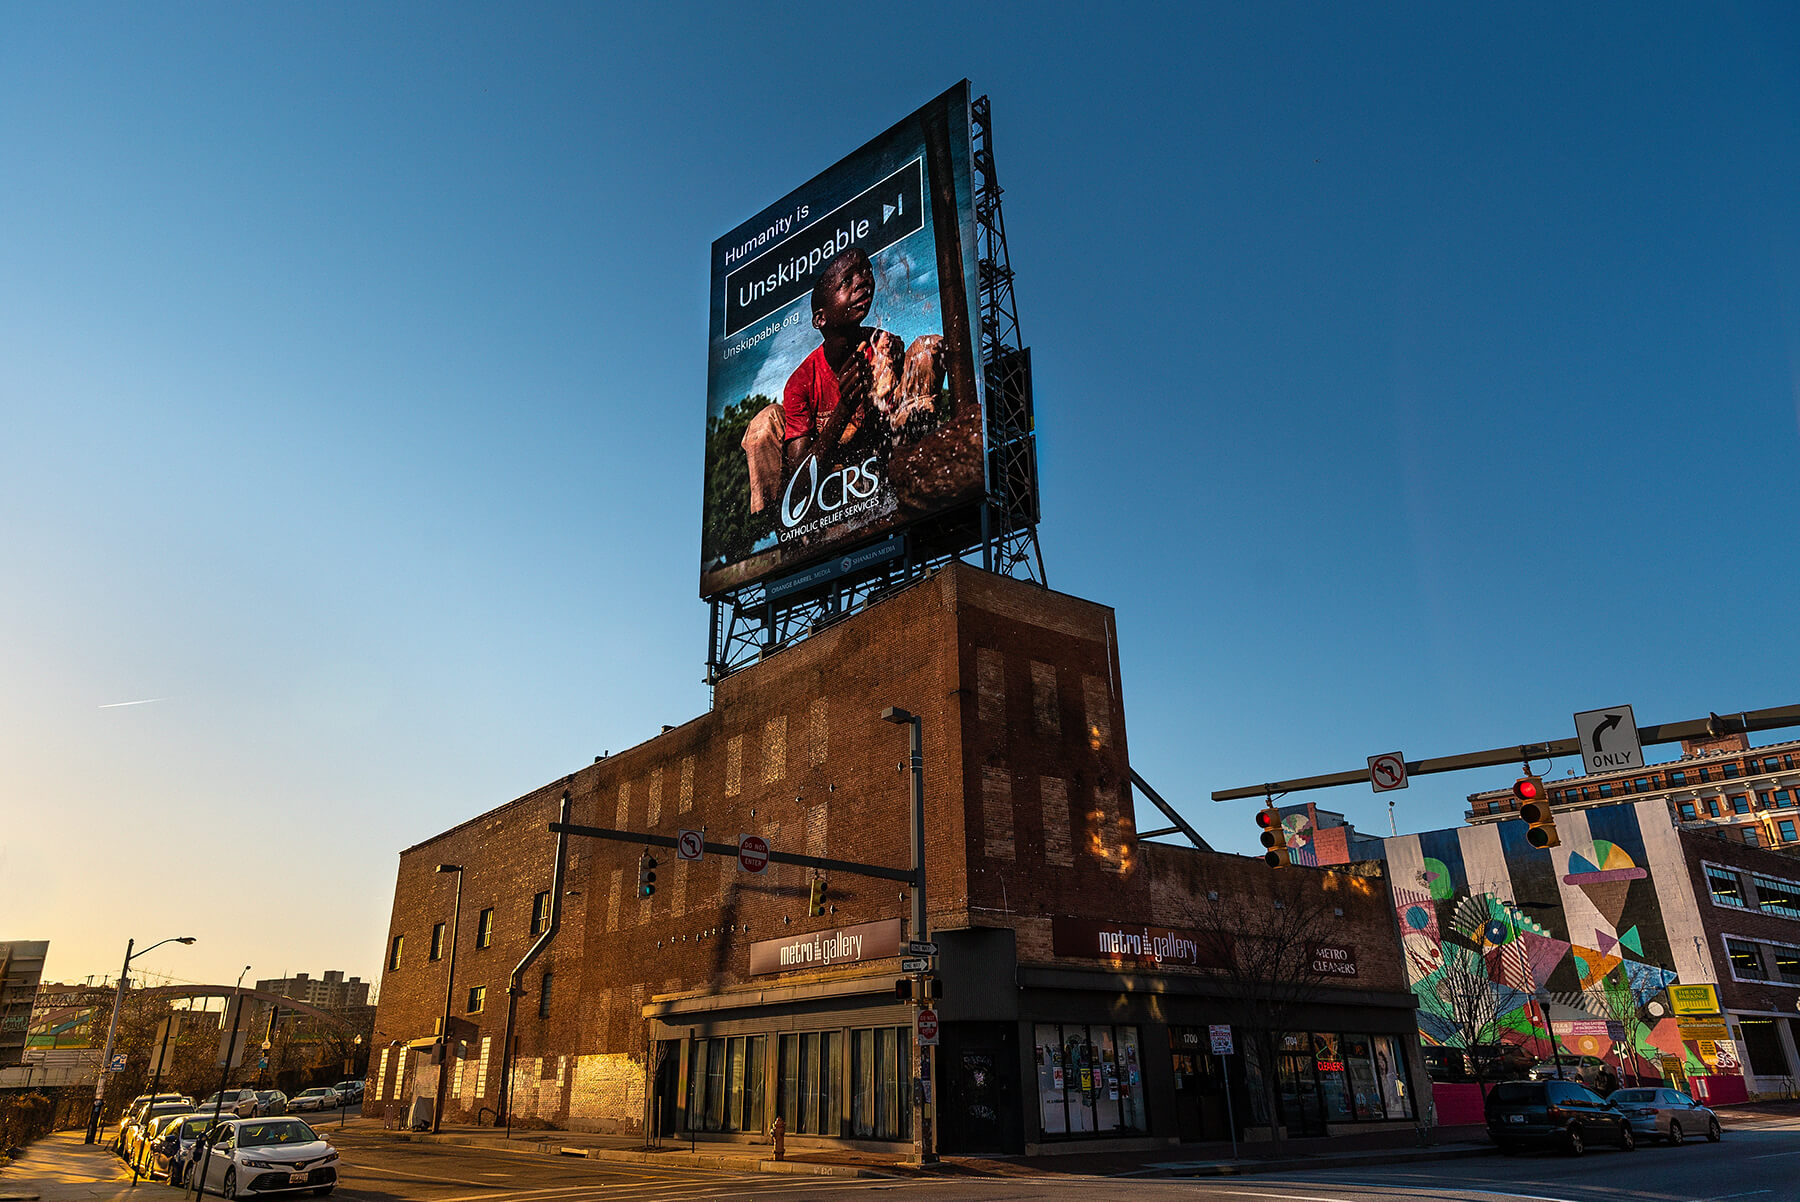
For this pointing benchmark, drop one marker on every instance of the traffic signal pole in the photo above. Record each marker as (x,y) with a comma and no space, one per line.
(1711,726)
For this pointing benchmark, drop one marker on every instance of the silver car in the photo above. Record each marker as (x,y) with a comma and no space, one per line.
(173,1153)
(1666,1114)
(317,1098)
(248,1157)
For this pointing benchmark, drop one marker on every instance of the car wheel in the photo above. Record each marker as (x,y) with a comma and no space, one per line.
(1627,1139)
(1675,1135)
(229,1189)
(1714,1132)
(1577,1145)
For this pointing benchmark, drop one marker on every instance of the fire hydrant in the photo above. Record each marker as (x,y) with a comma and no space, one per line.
(778,1137)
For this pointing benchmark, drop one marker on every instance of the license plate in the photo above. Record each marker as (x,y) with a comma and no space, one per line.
(296,1178)
(1515,1118)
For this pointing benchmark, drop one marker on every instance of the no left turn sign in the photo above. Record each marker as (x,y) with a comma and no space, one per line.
(1387,772)
(690,845)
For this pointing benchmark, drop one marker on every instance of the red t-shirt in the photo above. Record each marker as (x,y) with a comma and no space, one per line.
(811,393)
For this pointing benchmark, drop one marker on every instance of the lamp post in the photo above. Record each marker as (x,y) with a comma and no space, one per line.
(112,1029)
(437,1109)
(237,1014)
(924,1079)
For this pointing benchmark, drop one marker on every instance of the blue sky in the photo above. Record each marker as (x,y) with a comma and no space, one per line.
(1407,379)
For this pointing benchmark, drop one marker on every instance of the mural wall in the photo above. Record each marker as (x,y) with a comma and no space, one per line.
(1514,945)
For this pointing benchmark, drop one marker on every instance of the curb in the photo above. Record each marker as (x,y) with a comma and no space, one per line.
(18,1198)
(1305,1164)
(741,1164)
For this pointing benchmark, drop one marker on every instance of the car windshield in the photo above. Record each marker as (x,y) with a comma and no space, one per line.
(1635,1095)
(287,1131)
(194,1128)
(313,1093)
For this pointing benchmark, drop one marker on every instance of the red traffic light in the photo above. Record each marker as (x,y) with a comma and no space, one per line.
(1267,817)
(1528,788)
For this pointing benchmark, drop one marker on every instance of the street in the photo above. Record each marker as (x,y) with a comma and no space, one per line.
(1755,1162)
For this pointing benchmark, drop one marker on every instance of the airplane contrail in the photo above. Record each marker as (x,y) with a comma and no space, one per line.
(113,705)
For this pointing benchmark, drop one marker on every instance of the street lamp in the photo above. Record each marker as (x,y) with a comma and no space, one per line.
(924,1147)
(93,1130)
(437,1109)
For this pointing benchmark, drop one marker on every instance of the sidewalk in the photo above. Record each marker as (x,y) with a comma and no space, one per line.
(1170,1161)
(61,1168)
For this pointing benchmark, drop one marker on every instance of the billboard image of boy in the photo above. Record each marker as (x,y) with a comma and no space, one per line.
(843,400)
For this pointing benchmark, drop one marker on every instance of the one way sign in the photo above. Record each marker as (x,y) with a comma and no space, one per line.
(1609,739)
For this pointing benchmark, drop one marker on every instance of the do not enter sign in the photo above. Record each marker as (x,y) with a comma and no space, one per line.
(753,853)
(928,1028)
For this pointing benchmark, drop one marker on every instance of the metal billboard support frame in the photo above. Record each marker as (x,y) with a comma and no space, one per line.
(747,623)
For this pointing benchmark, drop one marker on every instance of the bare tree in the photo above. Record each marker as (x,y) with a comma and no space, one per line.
(1263,947)
(1460,993)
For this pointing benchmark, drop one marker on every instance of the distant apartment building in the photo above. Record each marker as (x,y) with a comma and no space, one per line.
(330,992)
(21,966)
(1722,786)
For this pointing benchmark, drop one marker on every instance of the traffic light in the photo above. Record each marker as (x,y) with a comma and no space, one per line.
(815,898)
(1534,808)
(646,875)
(1273,837)
(903,989)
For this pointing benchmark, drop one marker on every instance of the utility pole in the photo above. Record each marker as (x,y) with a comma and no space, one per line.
(924,1079)
(437,1107)
(93,1130)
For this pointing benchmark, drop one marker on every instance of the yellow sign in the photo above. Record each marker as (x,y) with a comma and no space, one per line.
(1693,1030)
(1670,1065)
(1694,999)
(1708,1049)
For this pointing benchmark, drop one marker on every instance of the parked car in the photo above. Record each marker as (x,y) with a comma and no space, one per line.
(1566,1066)
(143,1148)
(1561,1114)
(131,1127)
(1667,1114)
(350,1091)
(172,1155)
(248,1157)
(316,1098)
(238,1103)
(270,1102)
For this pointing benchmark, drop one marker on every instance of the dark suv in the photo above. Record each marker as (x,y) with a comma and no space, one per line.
(1563,1114)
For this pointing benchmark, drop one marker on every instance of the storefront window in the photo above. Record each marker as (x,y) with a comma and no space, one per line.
(880,1076)
(725,1084)
(1090,1079)
(1359,1066)
(811,1066)
(1334,1081)
(1390,1074)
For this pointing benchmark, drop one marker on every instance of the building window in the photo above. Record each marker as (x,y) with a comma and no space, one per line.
(477,998)
(544,996)
(1712,806)
(1090,1079)
(1782,799)
(1746,962)
(394,952)
(484,928)
(1786,826)
(1775,896)
(1769,765)
(540,913)
(1787,964)
(437,942)
(1687,811)
(880,1070)
(1705,774)
(1678,777)
(725,1084)
(1605,790)
(1750,836)
(1730,770)
(1727,889)
(1787,761)
(1740,803)
(810,1069)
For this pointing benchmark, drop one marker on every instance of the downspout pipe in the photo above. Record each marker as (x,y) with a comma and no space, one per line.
(513,986)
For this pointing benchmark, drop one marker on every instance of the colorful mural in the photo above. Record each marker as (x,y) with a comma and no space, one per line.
(1568,948)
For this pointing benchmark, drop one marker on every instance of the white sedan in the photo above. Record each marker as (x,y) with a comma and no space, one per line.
(318,1098)
(251,1157)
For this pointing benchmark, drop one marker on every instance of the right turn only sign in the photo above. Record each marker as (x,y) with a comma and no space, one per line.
(1609,739)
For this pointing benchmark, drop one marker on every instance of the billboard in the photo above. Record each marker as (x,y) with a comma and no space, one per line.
(843,398)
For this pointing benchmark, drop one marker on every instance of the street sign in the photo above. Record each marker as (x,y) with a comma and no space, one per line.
(1387,772)
(915,964)
(117,1065)
(918,947)
(753,853)
(927,1025)
(690,845)
(1609,739)
(1221,1039)
(1709,1049)
(1713,1031)
(1693,999)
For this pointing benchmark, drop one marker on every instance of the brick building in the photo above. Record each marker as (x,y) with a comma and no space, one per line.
(330,992)
(1076,1005)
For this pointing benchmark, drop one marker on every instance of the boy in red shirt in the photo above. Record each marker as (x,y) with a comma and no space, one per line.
(827,396)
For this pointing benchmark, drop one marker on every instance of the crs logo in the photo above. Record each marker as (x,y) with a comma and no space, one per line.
(856,482)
